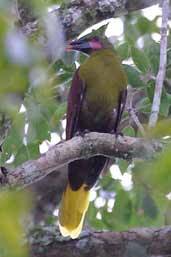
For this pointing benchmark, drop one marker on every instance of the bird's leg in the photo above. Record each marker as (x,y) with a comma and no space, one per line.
(81,132)
(120,109)
(3,175)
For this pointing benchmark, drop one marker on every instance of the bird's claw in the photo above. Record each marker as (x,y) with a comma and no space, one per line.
(81,133)
(3,175)
(116,133)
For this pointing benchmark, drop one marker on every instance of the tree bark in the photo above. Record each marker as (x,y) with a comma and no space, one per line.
(140,242)
(89,145)
(77,15)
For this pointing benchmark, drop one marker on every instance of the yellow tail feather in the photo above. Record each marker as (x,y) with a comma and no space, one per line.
(72,212)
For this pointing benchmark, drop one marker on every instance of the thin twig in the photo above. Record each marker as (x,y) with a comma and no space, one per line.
(135,117)
(137,122)
(162,66)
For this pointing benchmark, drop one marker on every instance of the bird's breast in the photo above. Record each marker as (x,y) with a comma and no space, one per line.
(104,78)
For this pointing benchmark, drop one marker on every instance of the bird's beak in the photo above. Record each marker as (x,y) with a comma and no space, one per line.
(78,45)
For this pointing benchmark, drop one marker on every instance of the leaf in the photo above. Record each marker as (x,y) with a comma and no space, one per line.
(128,131)
(156,174)
(123,207)
(164,106)
(165,103)
(153,51)
(27,152)
(140,59)
(146,26)
(168,214)
(13,206)
(58,115)
(123,51)
(123,165)
(107,183)
(14,139)
(133,76)
(150,89)
(38,129)
(145,105)
(162,129)
(91,215)
(131,32)
(149,206)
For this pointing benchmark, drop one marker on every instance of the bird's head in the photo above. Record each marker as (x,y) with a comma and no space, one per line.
(89,44)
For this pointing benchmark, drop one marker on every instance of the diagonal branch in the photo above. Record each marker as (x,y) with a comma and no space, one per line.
(77,15)
(162,66)
(80,148)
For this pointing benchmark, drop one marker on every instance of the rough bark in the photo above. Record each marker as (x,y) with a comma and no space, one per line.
(77,15)
(140,242)
(89,145)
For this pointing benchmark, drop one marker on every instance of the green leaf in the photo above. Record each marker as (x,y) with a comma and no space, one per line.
(58,115)
(165,103)
(123,51)
(153,51)
(168,214)
(162,129)
(38,129)
(13,206)
(120,217)
(146,26)
(27,152)
(128,131)
(91,216)
(156,174)
(107,183)
(14,139)
(150,89)
(133,76)
(149,206)
(123,165)
(140,59)
(131,32)
(164,106)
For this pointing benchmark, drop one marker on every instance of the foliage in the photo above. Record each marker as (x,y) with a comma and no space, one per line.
(27,79)
(14,208)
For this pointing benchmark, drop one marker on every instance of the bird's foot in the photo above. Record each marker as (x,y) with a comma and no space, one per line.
(81,133)
(116,133)
(3,175)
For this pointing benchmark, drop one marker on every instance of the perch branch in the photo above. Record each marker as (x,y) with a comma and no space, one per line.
(80,148)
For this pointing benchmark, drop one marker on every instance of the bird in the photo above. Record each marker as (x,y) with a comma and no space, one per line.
(96,101)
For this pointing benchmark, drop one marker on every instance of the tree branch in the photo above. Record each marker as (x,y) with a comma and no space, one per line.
(77,15)
(80,148)
(146,242)
(162,66)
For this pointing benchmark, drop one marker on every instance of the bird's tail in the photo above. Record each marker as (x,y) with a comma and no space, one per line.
(73,209)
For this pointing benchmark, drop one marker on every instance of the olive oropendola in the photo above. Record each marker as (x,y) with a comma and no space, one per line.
(95,103)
